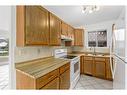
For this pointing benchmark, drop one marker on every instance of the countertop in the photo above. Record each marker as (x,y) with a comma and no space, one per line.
(89,54)
(39,67)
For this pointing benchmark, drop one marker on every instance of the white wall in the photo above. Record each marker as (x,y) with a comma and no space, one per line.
(4,21)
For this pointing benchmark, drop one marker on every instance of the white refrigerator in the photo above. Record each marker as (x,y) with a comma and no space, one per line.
(118,51)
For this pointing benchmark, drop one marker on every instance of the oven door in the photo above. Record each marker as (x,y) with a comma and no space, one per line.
(75,69)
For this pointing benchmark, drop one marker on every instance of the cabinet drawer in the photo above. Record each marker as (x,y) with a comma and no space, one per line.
(99,59)
(54,84)
(64,68)
(88,58)
(46,78)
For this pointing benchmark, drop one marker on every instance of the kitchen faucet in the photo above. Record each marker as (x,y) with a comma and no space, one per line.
(94,50)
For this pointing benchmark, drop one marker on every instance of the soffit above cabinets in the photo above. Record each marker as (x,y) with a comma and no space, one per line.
(73,14)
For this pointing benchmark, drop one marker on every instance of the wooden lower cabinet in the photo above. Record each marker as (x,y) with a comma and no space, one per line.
(23,81)
(52,85)
(88,67)
(100,69)
(81,64)
(108,69)
(64,80)
(96,66)
(56,79)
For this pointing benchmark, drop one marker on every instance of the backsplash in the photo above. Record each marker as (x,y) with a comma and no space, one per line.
(98,49)
(29,53)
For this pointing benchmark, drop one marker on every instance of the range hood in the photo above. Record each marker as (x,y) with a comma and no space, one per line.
(65,38)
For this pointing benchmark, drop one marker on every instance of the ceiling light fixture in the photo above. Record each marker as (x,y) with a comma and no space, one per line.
(90,8)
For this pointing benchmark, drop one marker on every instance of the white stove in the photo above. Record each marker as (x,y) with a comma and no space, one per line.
(74,65)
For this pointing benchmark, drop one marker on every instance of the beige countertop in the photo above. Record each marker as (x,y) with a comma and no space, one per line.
(40,67)
(89,54)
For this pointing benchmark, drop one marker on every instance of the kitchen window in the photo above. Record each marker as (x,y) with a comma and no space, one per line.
(97,38)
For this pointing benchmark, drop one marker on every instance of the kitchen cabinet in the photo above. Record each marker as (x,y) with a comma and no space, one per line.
(64,30)
(100,67)
(108,69)
(70,32)
(96,66)
(37,26)
(56,79)
(64,80)
(81,64)
(65,77)
(32,26)
(78,37)
(55,30)
(88,65)
(71,36)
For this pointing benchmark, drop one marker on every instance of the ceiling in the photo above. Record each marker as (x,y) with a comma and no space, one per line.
(73,14)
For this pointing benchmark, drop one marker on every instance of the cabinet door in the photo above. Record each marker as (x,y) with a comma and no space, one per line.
(55,30)
(52,85)
(108,70)
(100,69)
(78,37)
(36,26)
(64,29)
(65,80)
(70,32)
(81,64)
(70,35)
(88,67)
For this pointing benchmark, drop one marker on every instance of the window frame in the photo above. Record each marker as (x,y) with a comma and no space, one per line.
(97,39)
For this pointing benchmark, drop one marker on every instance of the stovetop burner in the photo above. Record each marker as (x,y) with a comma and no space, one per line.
(69,57)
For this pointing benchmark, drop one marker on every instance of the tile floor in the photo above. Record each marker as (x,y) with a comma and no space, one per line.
(93,83)
(4,76)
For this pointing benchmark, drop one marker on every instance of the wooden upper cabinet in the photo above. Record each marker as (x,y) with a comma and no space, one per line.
(55,30)
(70,35)
(70,32)
(78,37)
(32,26)
(64,30)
